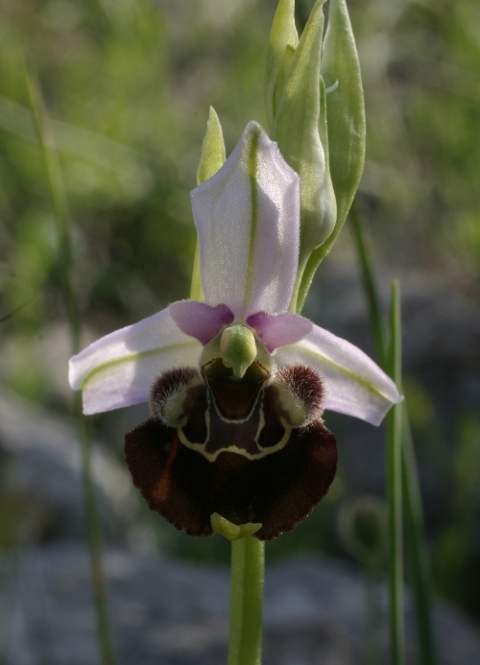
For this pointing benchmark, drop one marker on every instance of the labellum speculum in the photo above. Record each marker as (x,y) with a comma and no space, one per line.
(236,384)
(246,442)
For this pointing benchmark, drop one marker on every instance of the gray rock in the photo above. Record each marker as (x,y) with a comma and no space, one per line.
(171,613)
(41,453)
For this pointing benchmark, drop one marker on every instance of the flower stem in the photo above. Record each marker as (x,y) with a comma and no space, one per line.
(94,537)
(246,601)
(414,526)
(62,218)
(364,253)
(394,488)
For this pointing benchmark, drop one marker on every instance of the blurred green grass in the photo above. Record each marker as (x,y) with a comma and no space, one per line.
(127,85)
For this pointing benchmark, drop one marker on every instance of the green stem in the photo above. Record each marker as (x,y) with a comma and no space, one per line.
(394,489)
(59,203)
(246,601)
(418,550)
(62,217)
(362,246)
(306,275)
(94,537)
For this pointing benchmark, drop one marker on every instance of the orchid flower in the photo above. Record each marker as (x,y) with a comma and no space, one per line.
(237,385)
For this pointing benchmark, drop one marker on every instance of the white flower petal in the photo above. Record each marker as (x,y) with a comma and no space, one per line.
(248,221)
(119,369)
(354,384)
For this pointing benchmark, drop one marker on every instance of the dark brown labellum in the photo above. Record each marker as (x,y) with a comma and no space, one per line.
(235,448)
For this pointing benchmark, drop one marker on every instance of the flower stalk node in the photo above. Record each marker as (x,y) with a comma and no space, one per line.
(231,531)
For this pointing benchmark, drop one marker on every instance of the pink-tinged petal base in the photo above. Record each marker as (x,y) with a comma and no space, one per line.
(199,320)
(279,330)
(353,383)
(119,369)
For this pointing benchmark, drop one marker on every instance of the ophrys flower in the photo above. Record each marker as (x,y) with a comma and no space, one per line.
(237,385)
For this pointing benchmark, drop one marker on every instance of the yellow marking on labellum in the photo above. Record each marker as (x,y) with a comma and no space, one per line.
(211,457)
(238,421)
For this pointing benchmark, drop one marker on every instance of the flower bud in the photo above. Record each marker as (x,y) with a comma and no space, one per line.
(281,49)
(340,69)
(296,129)
(314,100)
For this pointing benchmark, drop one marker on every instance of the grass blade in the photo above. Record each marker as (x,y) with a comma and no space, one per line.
(60,206)
(414,522)
(394,488)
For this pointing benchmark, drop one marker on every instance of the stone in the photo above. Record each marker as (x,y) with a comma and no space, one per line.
(168,612)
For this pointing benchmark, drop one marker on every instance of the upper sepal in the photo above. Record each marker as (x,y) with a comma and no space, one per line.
(247,218)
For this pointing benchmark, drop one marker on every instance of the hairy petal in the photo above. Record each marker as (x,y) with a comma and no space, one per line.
(200,320)
(279,330)
(119,369)
(247,217)
(353,383)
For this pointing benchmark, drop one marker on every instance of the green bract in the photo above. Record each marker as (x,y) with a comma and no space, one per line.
(231,531)
(212,158)
(213,149)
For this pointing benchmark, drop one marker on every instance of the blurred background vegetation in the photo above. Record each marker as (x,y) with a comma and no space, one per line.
(127,84)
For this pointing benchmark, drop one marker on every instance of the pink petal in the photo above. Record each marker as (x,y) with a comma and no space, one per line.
(353,383)
(275,331)
(248,221)
(119,369)
(200,320)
